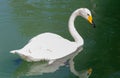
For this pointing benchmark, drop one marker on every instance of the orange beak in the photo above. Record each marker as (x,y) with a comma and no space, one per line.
(89,71)
(90,20)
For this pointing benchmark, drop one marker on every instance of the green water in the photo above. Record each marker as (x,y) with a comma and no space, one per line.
(20,20)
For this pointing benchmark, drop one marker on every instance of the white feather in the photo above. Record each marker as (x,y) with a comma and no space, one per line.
(51,46)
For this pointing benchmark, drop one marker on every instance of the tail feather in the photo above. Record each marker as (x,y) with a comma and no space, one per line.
(13,51)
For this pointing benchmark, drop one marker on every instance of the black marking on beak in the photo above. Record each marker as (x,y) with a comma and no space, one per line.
(93,24)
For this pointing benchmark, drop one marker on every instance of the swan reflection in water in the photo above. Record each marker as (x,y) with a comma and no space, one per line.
(41,68)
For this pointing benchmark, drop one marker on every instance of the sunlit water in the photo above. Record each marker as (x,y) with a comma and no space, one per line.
(21,20)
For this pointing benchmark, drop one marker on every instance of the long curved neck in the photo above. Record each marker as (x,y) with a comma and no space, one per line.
(78,39)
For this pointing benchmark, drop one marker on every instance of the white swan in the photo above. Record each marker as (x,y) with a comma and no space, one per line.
(49,46)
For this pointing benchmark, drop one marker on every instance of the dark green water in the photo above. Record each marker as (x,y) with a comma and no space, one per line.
(20,20)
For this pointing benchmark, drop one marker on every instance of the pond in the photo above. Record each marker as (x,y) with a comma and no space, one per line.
(21,20)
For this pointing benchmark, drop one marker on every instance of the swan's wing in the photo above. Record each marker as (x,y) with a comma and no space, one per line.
(50,46)
(45,35)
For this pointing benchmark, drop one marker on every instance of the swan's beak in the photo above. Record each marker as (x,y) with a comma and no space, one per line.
(89,71)
(90,20)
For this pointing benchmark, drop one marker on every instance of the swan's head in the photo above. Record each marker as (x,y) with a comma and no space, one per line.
(85,13)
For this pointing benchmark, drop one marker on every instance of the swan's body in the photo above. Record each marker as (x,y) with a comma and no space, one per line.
(49,46)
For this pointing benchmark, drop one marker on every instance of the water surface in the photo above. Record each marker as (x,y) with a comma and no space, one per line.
(21,20)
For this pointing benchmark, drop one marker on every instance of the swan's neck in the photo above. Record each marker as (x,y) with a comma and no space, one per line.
(78,39)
